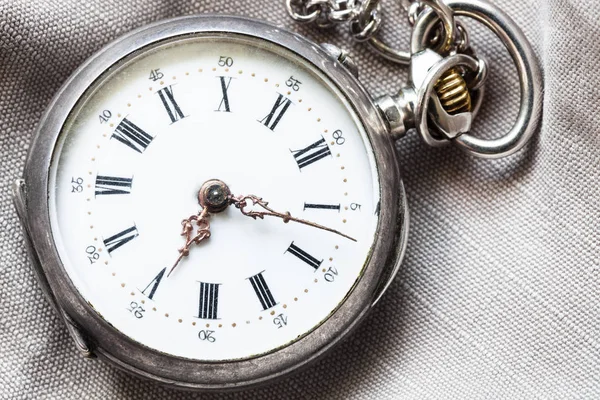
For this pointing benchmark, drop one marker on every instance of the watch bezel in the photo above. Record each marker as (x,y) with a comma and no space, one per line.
(176,371)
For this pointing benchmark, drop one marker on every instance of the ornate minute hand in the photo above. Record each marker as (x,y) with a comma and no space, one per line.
(241,203)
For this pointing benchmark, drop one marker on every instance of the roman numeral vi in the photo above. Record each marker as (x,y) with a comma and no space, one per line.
(208,300)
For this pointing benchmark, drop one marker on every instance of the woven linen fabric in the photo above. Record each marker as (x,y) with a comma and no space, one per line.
(498,297)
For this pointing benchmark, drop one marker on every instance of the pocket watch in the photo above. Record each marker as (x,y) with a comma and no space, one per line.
(212,202)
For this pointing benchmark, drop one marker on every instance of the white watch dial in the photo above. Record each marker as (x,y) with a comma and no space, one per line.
(133,156)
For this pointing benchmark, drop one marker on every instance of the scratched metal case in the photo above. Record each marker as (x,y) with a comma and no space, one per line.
(92,334)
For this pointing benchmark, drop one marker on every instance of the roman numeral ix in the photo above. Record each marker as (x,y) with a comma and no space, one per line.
(304,256)
(208,300)
(117,240)
(224,104)
(277,112)
(132,136)
(262,291)
(153,285)
(173,109)
(112,185)
(308,155)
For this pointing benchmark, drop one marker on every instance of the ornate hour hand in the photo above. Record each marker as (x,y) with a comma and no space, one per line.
(241,203)
(202,226)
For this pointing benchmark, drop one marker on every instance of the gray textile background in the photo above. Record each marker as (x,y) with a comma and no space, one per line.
(499,295)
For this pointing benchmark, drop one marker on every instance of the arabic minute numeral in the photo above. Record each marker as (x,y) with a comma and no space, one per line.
(76,185)
(338,137)
(207,335)
(280,320)
(293,83)
(331,274)
(92,254)
(137,310)
(225,61)
(105,116)
(355,206)
(155,75)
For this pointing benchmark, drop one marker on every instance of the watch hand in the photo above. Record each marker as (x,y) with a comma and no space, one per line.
(241,202)
(202,233)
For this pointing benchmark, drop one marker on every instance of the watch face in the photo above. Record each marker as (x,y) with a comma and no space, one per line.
(130,162)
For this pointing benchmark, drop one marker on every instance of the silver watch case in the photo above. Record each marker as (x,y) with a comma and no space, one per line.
(93,335)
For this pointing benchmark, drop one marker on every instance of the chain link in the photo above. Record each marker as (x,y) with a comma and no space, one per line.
(364,16)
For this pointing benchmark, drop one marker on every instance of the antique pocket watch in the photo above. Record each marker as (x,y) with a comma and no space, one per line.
(212,202)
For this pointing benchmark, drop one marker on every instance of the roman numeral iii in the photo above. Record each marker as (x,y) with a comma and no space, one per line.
(277,112)
(119,239)
(208,300)
(173,109)
(132,136)
(314,152)
(262,291)
(224,104)
(304,256)
(112,185)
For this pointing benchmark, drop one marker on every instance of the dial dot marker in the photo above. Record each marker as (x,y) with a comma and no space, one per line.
(143,301)
(253,75)
(208,325)
(167,315)
(247,322)
(226,69)
(324,270)
(305,290)
(295,299)
(234,325)
(285,306)
(132,293)
(318,119)
(344,221)
(272,312)
(240,72)
(309,108)
(153,308)
(345,180)
(128,104)
(316,280)
(162,82)
(114,273)
(214,69)
(266,79)
(220,325)
(260,318)
(174,77)
(337,247)
(289,92)
(122,285)
(299,100)
(187,73)
(180,320)
(194,323)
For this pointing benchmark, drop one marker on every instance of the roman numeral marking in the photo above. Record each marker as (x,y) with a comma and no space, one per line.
(279,108)
(262,291)
(322,206)
(173,109)
(312,153)
(224,104)
(208,300)
(304,256)
(153,285)
(115,241)
(132,136)
(112,185)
